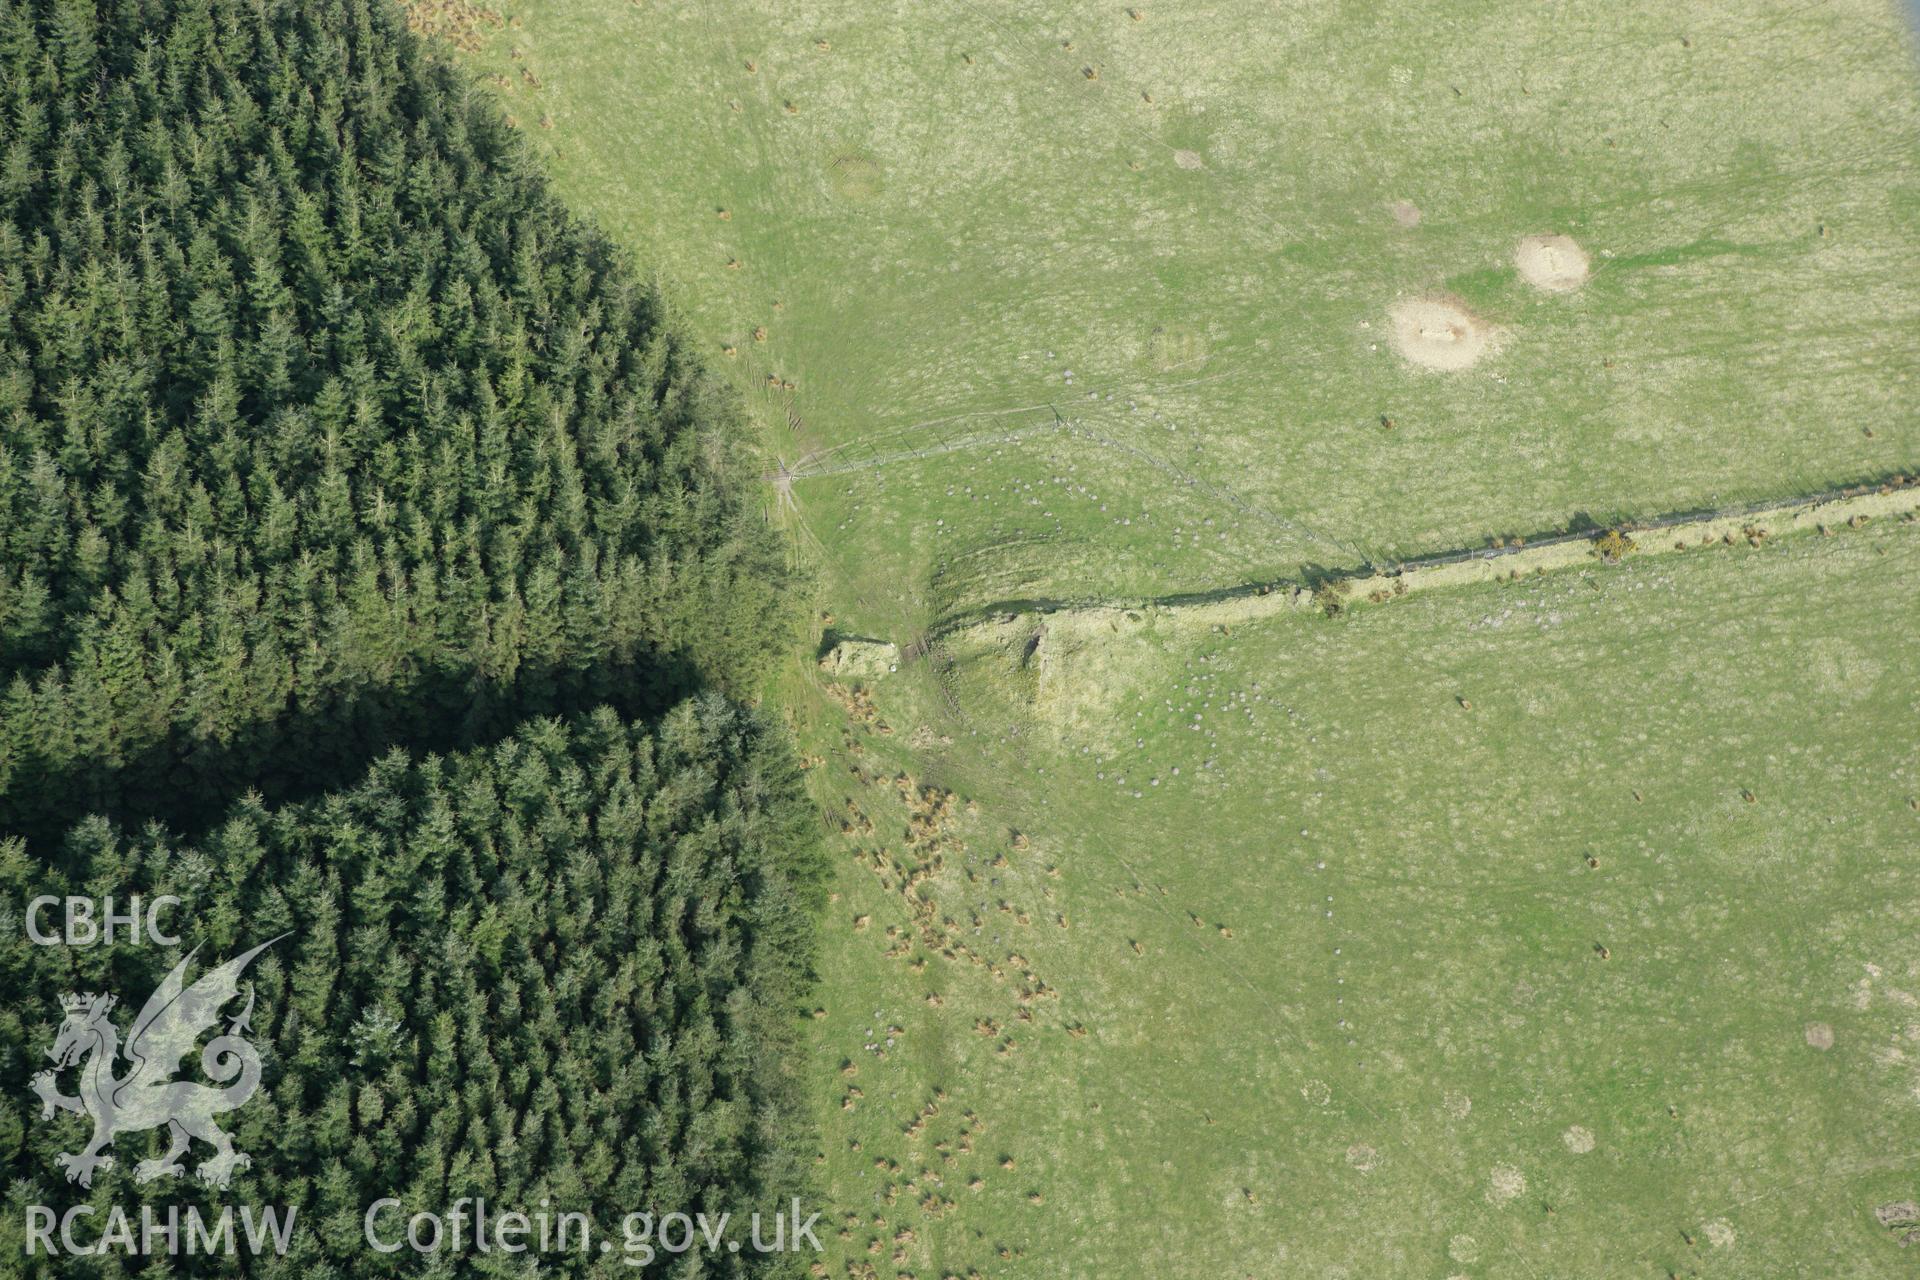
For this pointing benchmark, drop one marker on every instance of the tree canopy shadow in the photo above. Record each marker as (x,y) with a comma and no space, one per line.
(187,784)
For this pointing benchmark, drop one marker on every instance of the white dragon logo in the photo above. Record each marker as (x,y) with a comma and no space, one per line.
(146,1097)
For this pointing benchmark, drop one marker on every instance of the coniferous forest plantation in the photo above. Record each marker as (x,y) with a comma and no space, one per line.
(376,570)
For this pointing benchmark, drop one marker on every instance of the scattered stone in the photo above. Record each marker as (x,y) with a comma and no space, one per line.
(859,658)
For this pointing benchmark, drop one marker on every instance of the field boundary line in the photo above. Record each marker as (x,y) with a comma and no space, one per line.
(1828,512)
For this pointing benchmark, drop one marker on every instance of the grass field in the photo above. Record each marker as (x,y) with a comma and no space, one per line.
(1278,951)
(1392,814)
(930,246)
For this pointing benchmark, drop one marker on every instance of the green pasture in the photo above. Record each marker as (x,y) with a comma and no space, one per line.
(1395,1064)
(1327,983)
(933,216)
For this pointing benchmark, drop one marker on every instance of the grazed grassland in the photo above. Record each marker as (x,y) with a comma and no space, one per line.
(1369,988)
(926,219)
(1558,927)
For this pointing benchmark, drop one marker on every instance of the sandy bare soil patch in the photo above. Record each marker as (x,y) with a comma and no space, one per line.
(1820,1035)
(1405,212)
(1437,333)
(1552,264)
(1188,159)
(1579,1139)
